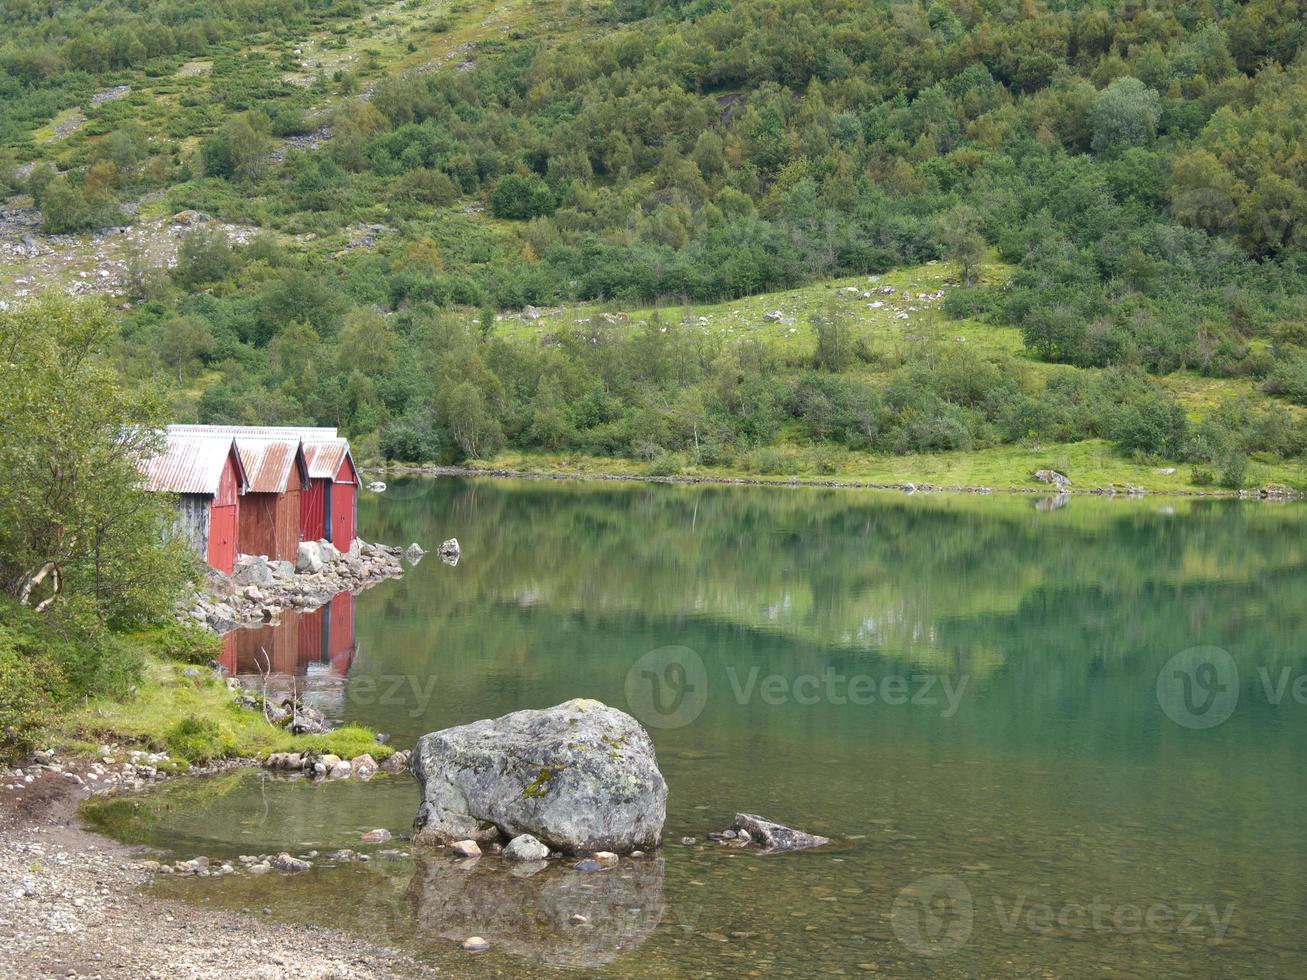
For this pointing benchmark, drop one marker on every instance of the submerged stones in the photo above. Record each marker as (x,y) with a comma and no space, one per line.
(328,766)
(579,777)
(552,915)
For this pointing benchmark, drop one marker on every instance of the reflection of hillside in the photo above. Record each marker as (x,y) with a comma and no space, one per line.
(906,577)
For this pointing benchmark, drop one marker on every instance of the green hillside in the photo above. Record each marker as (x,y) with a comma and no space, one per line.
(636,236)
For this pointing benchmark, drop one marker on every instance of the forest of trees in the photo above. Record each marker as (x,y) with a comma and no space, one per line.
(1139,163)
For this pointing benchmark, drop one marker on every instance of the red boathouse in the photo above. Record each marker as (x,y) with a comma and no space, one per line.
(207,477)
(329,506)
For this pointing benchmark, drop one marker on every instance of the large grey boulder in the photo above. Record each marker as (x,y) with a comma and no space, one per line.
(578,777)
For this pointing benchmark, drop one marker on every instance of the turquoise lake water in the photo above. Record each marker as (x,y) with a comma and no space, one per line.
(1045,742)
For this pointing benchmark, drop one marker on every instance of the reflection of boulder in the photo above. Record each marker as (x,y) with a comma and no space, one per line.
(531,915)
(1053,503)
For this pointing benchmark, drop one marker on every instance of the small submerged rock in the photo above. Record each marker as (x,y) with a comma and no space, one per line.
(378,836)
(524,847)
(290,865)
(465,848)
(751,829)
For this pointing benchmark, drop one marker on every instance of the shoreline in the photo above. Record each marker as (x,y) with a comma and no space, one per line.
(1274,494)
(75,903)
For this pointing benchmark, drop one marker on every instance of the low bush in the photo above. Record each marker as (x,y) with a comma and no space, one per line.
(30,689)
(198,740)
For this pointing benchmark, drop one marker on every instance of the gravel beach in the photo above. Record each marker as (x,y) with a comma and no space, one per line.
(71,904)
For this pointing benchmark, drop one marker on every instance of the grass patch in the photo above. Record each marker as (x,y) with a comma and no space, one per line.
(196,719)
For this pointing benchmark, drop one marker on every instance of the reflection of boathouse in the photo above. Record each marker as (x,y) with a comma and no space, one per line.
(323,636)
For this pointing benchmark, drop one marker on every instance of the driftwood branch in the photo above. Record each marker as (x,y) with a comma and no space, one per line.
(264,673)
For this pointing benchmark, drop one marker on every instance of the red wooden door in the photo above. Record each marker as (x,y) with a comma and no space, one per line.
(222,538)
(342,514)
(312,501)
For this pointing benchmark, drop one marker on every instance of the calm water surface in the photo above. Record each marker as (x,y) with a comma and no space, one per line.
(989,706)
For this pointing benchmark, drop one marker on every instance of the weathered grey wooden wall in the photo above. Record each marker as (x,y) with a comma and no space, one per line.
(192,522)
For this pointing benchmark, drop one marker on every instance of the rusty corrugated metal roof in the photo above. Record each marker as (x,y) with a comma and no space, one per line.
(190,463)
(269,463)
(324,449)
(325,456)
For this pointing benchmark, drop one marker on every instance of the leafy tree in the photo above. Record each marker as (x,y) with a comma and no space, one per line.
(964,244)
(1125,115)
(204,256)
(475,430)
(834,351)
(73,522)
(184,342)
